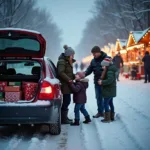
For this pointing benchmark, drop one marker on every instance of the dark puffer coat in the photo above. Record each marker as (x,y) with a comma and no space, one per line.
(79,90)
(65,73)
(109,82)
(95,67)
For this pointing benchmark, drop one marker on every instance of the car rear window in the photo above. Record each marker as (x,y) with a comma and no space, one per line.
(17,43)
(20,67)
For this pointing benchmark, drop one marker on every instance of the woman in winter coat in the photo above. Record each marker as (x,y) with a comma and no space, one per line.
(108,83)
(66,76)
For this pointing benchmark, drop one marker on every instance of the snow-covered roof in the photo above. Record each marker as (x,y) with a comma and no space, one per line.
(137,35)
(123,42)
(20,29)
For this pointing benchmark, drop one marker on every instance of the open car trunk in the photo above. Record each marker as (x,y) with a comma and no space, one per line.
(19,80)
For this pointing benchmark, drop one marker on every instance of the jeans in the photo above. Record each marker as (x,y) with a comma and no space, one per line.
(108,102)
(117,74)
(66,102)
(147,74)
(100,102)
(78,108)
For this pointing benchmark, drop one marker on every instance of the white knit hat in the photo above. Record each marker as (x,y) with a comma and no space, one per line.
(106,61)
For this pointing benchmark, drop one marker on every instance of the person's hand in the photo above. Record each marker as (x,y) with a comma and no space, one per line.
(100,82)
(77,77)
(70,81)
(81,74)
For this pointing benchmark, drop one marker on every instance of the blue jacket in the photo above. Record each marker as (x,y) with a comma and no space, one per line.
(95,67)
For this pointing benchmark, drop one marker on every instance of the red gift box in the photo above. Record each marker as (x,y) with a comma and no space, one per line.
(12,88)
(12,96)
(29,90)
(2,85)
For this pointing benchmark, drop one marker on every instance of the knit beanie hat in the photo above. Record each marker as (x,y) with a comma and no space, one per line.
(65,47)
(95,49)
(69,52)
(106,61)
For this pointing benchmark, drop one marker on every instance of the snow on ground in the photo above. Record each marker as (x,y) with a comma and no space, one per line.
(131,130)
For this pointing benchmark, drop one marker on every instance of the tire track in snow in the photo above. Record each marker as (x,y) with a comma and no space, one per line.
(127,131)
(15,139)
(134,109)
(137,126)
(14,142)
(35,142)
(90,135)
(57,142)
(118,136)
(96,124)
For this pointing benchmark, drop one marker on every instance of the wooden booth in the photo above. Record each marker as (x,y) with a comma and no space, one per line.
(136,46)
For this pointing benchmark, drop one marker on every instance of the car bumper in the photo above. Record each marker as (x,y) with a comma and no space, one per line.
(30,114)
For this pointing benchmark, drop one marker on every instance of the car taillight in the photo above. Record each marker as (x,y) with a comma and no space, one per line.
(47,91)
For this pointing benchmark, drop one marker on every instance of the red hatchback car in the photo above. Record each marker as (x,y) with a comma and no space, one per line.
(22,62)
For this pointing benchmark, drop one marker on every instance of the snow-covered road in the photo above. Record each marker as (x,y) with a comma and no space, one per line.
(131,130)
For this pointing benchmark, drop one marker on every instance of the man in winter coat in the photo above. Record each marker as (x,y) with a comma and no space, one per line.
(96,68)
(118,61)
(146,60)
(65,75)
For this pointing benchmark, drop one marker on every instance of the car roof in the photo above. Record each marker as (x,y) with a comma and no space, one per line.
(20,29)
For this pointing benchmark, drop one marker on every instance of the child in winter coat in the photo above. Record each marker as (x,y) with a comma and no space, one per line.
(108,82)
(80,98)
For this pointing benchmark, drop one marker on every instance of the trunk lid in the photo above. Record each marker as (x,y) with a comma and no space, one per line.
(15,42)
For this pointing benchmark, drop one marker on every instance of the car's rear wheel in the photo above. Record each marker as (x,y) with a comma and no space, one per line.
(55,128)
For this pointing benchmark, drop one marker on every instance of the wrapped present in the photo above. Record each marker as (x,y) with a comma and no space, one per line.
(13,96)
(2,85)
(14,83)
(29,90)
(1,95)
(12,88)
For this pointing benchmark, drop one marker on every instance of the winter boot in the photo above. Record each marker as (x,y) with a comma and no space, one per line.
(64,117)
(106,118)
(87,119)
(98,115)
(75,123)
(112,116)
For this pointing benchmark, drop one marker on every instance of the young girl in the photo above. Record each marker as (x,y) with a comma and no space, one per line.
(80,98)
(108,82)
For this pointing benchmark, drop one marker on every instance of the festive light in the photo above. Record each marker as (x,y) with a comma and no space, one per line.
(135,46)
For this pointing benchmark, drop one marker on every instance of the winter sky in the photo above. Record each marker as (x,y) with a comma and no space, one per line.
(71,16)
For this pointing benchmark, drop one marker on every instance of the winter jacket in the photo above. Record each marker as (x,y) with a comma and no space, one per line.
(109,82)
(79,91)
(146,60)
(95,67)
(65,73)
(117,60)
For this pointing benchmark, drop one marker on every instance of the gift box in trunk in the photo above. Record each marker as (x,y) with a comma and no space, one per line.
(2,85)
(13,96)
(14,83)
(29,90)
(12,88)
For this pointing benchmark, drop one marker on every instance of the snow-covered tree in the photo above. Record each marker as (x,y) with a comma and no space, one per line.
(114,19)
